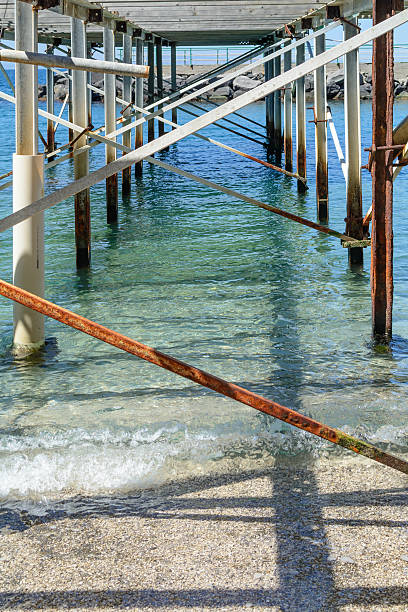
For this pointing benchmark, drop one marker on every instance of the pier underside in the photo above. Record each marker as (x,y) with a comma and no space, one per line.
(290,43)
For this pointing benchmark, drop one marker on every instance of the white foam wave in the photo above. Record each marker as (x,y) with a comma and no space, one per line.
(89,462)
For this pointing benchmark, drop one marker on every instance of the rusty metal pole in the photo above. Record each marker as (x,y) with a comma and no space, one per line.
(139,103)
(277,107)
(300,121)
(381,170)
(287,105)
(173,61)
(269,99)
(201,377)
(89,82)
(354,219)
(150,87)
(50,107)
(70,117)
(159,66)
(81,161)
(110,122)
(127,96)
(320,100)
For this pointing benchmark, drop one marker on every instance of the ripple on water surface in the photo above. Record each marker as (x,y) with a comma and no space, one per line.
(230,288)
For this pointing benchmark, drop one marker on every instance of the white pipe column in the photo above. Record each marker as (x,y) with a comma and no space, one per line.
(50,107)
(139,103)
(110,124)
(277,108)
(300,120)
(28,167)
(287,112)
(173,62)
(81,161)
(320,101)
(127,96)
(354,223)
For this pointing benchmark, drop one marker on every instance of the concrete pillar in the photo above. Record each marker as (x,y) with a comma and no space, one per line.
(159,65)
(354,222)
(139,102)
(150,88)
(28,236)
(287,102)
(50,107)
(81,161)
(173,61)
(320,103)
(127,96)
(110,125)
(300,120)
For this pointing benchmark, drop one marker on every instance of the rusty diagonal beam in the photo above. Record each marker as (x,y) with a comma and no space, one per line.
(200,376)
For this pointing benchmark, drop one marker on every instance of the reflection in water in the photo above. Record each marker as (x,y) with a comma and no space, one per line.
(222,285)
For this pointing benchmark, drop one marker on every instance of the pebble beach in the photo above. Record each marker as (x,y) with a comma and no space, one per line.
(309,536)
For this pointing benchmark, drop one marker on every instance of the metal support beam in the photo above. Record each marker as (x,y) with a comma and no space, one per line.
(300,120)
(277,108)
(159,66)
(110,124)
(173,61)
(28,237)
(127,96)
(354,218)
(382,194)
(81,161)
(269,103)
(139,103)
(50,108)
(73,63)
(320,101)
(150,88)
(287,102)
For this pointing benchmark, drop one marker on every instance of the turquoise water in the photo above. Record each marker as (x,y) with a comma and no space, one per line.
(246,295)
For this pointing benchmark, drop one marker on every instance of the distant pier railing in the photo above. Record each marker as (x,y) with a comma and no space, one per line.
(213,56)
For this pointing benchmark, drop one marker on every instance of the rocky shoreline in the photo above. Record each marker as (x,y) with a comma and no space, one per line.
(241,84)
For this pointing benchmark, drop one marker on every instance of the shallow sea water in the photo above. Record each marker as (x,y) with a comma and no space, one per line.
(244,294)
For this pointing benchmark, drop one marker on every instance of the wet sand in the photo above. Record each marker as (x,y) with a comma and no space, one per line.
(316,536)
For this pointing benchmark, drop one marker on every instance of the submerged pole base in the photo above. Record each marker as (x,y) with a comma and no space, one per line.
(112,199)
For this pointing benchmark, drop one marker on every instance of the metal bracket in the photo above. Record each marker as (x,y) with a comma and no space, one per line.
(121,26)
(333,12)
(95,15)
(84,131)
(315,120)
(306,23)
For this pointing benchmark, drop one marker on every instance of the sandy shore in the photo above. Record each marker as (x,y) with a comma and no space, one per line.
(317,536)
